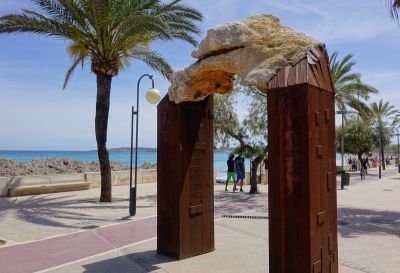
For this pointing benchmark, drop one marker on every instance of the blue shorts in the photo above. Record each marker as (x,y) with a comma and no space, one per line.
(240,175)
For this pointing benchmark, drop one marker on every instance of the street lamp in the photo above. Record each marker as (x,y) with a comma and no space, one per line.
(380,158)
(342,137)
(153,97)
(343,112)
(398,150)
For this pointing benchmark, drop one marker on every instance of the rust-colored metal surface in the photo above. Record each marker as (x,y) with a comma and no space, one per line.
(313,70)
(302,169)
(185,197)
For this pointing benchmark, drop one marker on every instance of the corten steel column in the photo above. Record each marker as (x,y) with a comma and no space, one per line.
(185,186)
(302,168)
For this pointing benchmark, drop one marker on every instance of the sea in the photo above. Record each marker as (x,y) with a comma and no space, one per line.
(123,157)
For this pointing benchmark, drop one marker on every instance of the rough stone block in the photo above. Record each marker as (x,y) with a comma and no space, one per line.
(4,181)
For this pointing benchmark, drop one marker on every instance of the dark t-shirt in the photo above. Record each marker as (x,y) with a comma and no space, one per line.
(239,164)
(231,165)
(364,163)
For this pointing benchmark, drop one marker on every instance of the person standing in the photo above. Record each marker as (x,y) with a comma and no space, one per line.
(231,171)
(240,171)
(353,165)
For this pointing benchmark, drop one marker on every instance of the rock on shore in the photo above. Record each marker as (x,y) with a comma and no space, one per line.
(51,166)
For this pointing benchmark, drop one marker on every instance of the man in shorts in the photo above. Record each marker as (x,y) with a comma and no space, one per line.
(231,171)
(240,172)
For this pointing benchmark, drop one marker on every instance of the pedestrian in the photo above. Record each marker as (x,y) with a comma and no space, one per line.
(240,171)
(231,171)
(353,165)
(364,164)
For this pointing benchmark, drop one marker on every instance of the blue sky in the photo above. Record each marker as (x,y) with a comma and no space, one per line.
(36,114)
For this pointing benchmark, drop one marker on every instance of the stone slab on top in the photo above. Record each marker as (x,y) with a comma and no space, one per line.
(255,49)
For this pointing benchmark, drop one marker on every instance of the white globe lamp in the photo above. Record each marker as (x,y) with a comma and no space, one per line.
(153,96)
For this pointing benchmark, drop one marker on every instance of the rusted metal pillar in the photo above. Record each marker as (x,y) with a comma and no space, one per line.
(302,168)
(185,191)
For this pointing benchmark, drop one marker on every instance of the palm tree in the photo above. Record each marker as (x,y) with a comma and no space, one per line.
(383,115)
(349,87)
(394,6)
(108,34)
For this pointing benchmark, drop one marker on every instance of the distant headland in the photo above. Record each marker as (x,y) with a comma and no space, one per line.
(127,149)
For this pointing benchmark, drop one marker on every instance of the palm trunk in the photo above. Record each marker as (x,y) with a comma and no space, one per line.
(253,177)
(102,109)
(383,158)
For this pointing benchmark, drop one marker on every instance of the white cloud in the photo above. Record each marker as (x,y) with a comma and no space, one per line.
(384,77)
(343,21)
(387,82)
(330,21)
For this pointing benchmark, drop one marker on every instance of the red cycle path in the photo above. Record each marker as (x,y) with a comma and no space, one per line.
(39,255)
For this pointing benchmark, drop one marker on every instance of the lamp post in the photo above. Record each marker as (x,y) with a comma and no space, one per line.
(380,158)
(398,151)
(342,139)
(343,112)
(153,97)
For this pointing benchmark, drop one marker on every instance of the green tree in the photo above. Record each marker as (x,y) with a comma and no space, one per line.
(382,116)
(350,91)
(108,34)
(250,133)
(358,137)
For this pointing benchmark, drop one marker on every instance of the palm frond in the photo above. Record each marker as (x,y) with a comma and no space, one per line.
(394,6)
(71,70)
(108,31)
(152,59)
(33,23)
(349,88)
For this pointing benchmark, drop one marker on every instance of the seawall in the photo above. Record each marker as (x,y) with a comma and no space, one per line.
(39,184)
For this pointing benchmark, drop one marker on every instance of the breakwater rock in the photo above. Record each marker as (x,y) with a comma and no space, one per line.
(51,166)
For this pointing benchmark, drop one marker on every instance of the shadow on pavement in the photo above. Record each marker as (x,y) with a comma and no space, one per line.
(134,262)
(354,222)
(236,202)
(50,210)
(70,211)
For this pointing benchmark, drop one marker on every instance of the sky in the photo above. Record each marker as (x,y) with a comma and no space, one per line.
(36,114)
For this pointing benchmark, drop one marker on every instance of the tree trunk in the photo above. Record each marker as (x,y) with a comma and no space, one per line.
(102,109)
(383,158)
(253,177)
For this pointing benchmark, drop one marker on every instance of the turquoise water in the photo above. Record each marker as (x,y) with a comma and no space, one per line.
(88,156)
(123,157)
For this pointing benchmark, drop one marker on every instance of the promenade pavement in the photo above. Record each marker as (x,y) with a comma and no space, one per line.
(73,232)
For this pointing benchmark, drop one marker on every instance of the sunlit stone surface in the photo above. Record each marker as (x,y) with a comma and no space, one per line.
(254,49)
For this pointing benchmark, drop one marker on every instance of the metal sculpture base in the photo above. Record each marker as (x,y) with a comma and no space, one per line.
(185,191)
(302,169)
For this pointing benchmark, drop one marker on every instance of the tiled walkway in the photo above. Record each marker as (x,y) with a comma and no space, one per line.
(42,254)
